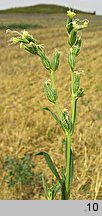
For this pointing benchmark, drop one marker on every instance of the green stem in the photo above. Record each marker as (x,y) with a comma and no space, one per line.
(74,103)
(67,183)
(54,86)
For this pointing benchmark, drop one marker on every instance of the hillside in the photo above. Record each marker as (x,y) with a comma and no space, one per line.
(41,8)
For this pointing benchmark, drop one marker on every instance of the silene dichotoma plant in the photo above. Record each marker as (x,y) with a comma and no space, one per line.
(65,121)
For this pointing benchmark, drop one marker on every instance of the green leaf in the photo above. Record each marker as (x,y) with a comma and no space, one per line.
(45,186)
(50,164)
(55,117)
(56,188)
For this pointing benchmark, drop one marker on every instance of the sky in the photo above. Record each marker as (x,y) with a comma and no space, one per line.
(85,5)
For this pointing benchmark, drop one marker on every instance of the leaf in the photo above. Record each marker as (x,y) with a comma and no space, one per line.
(56,189)
(50,164)
(55,117)
(45,186)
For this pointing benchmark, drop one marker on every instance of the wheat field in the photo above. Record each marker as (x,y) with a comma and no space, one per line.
(26,128)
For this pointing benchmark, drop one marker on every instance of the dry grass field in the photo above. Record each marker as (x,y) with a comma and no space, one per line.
(26,129)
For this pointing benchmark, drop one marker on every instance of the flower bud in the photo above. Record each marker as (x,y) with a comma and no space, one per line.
(69,25)
(55,60)
(44,59)
(77,46)
(71,60)
(76,84)
(29,47)
(72,37)
(80,92)
(66,121)
(50,92)
(29,37)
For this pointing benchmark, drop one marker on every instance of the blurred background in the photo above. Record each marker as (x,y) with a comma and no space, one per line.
(24,127)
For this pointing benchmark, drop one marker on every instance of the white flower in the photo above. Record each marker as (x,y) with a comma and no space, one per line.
(75,26)
(71,14)
(25,33)
(85,24)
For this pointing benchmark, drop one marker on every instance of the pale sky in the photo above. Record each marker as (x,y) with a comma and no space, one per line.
(86,5)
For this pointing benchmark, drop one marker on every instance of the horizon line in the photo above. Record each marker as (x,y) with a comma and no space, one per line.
(8,8)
